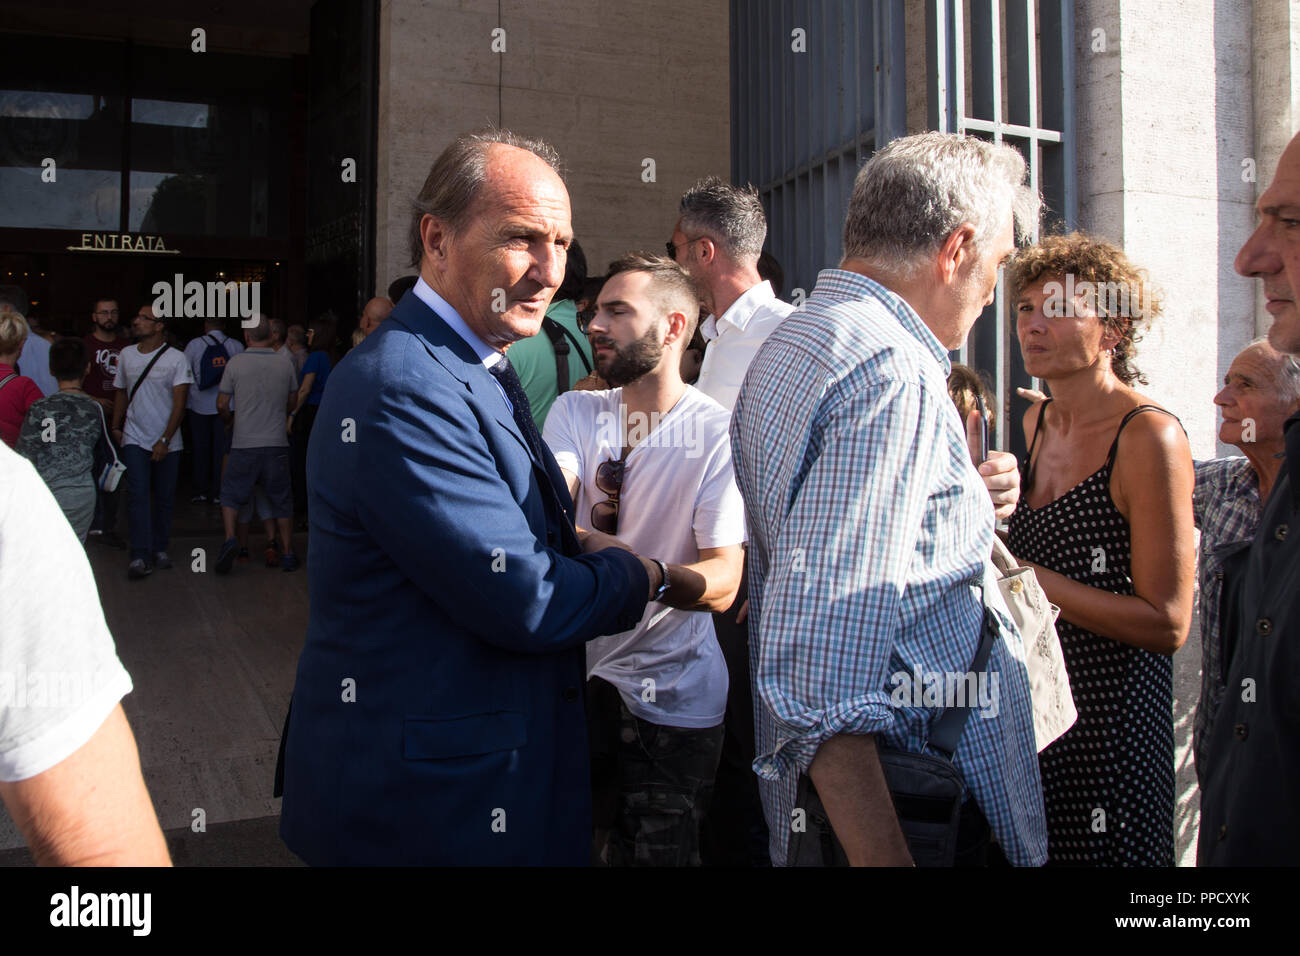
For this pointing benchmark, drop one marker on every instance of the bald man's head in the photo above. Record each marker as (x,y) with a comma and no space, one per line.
(376,311)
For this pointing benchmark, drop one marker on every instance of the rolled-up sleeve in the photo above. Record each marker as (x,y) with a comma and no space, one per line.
(836,576)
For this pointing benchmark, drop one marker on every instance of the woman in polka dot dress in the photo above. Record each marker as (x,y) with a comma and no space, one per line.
(1105,519)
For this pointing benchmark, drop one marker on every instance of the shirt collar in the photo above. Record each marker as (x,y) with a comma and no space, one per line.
(740,311)
(486,354)
(840,283)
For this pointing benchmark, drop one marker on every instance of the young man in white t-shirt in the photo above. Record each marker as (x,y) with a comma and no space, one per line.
(147,424)
(649,462)
(69,769)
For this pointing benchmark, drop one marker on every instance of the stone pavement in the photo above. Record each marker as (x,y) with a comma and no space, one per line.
(212,660)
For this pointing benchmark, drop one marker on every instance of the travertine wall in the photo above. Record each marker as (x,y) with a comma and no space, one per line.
(609,84)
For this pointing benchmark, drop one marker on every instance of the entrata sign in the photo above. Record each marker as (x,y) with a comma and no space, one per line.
(122,242)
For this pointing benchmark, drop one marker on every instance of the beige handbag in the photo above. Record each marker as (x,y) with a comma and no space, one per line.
(1035,617)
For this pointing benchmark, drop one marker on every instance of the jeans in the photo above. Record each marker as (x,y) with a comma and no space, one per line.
(150,494)
(651,784)
(209,436)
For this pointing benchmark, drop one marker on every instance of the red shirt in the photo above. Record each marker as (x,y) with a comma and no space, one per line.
(103,365)
(15,399)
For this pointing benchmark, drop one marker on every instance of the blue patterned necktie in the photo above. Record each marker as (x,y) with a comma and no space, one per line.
(508,378)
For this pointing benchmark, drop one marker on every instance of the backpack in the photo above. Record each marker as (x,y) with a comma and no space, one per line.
(212,364)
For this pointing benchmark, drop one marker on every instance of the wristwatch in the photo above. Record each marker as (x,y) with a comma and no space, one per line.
(164,440)
(664,584)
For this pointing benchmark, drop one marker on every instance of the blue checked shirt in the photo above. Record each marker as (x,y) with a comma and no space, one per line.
(1227,509)
(868,525)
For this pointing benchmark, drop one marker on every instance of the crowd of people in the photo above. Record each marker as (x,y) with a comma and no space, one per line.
(75,405)
(652,548)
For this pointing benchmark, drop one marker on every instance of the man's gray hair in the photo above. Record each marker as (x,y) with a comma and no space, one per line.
(731,215)
(457,174)
(261,330)
(912,194)
(277,329)
(1288,373)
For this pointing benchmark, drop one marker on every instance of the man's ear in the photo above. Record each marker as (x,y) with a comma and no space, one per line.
(955,252)
(708,251)
(433,236)
(676,326)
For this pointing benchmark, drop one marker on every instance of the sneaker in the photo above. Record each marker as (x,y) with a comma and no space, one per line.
(243,556)
(272,555)
(198,499)
(95,532)
(227,556)
(161,562)
(138,569)
(289,562)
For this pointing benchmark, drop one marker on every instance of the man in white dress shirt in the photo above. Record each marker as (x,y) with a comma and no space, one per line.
(717,240)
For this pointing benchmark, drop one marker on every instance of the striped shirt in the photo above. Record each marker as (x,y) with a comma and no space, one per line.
(868,528)
(1227,509)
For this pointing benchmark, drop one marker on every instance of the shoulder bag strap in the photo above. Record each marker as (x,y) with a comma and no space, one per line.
(8,378)
(947,730)
(145,374)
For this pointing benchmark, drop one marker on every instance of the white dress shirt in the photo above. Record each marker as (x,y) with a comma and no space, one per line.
(486,354)
(734,340)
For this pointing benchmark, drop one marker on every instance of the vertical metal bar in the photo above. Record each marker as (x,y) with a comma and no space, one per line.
(995,74)
(1069,167)
(936,56)
(957,46)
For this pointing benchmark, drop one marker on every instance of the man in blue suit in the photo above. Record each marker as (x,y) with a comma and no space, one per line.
(437,716)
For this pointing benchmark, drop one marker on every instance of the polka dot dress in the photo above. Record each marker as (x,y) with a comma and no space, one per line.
(1108,782)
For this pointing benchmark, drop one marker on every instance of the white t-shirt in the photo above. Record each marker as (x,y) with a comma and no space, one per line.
(147,415)
(59,673)
(200,402)
(679,496)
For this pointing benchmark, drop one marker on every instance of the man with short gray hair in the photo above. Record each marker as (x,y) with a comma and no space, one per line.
(871,529)
(718,240)
(262,386)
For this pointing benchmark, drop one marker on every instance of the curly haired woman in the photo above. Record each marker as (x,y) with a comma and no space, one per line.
(1105,519)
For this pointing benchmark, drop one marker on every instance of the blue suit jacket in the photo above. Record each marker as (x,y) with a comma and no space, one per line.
(450,599)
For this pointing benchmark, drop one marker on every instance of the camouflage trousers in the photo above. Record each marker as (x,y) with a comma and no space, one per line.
(651,784)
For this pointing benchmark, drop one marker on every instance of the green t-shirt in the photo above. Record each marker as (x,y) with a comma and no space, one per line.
(534,360)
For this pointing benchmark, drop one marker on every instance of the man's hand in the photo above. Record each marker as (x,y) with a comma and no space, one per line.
(1001,474)
(1000,471)
(598,541)
(160,450)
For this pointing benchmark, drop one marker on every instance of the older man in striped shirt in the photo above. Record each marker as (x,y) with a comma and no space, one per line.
(870,529)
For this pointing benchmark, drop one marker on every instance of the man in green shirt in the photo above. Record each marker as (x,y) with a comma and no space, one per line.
(534,359)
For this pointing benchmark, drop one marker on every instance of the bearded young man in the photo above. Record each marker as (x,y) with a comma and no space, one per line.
(648,460)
